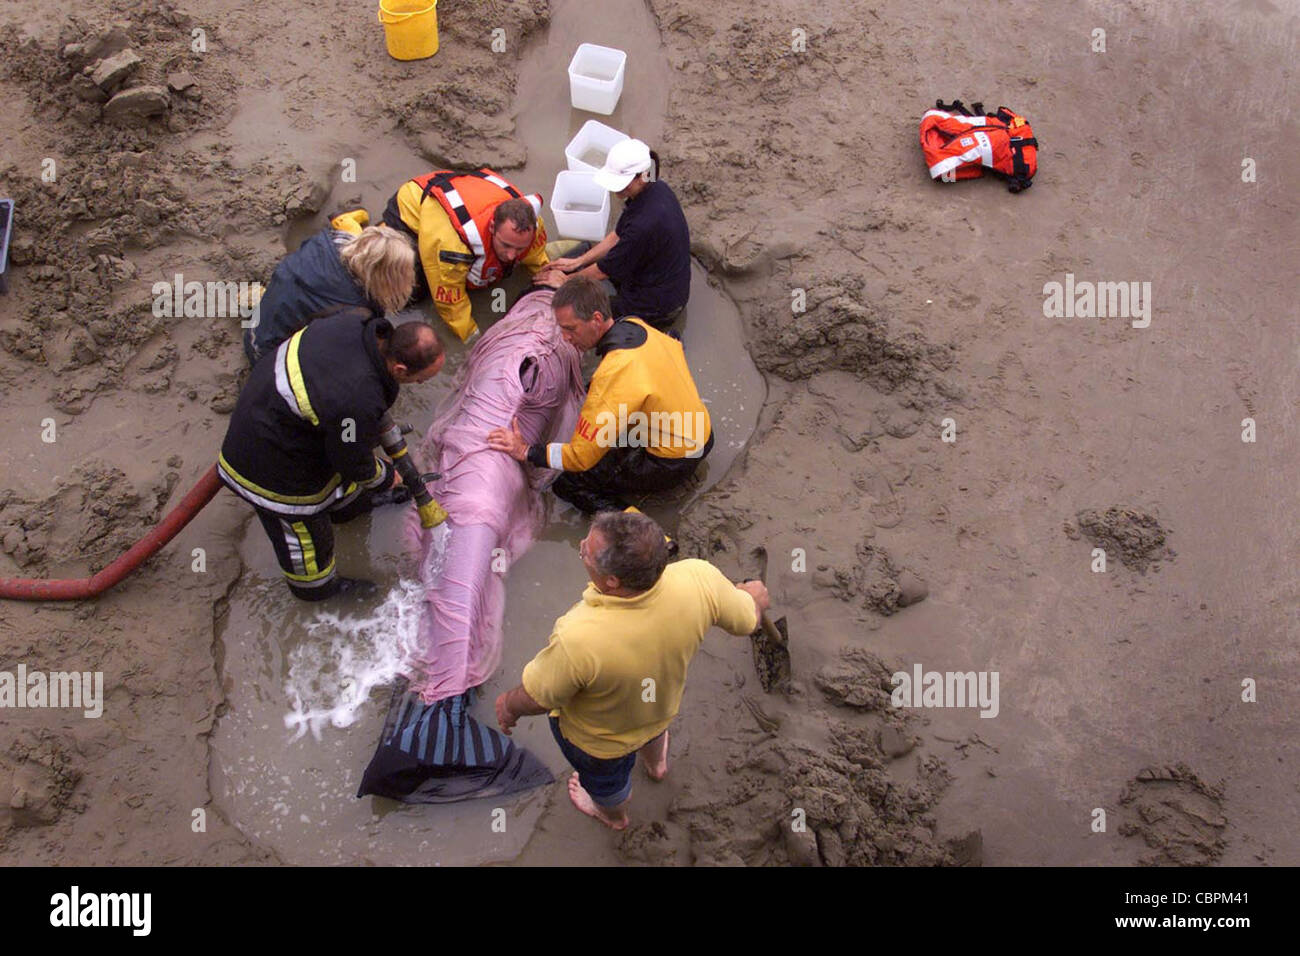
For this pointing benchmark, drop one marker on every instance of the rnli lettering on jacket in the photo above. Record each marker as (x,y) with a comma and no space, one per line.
(961,144)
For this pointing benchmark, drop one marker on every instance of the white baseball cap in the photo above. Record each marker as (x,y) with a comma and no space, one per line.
(626,159)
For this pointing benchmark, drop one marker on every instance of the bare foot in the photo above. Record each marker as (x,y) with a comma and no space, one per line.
(655,756)
(582,800)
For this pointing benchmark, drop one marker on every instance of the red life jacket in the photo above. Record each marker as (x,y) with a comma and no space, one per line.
(959,144)
(470,199)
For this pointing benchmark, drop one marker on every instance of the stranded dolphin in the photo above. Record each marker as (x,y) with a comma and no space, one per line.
(430,749)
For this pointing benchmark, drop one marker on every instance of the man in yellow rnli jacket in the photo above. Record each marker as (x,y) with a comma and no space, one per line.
(469,230)
(643,427)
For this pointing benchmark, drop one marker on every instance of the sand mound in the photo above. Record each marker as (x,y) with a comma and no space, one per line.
(38,775)
(858,679)
(140,71)
(1176,814)
(1134,536)
(872,581)
(839,329)
(654,843)
(85,308)
(783,802)
(463,122)
(94,517)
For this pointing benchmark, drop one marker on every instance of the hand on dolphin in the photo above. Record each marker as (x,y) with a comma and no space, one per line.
(506,718)
(511,442)
(550,276)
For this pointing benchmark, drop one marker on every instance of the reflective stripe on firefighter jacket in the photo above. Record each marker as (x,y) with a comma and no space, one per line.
(302,436)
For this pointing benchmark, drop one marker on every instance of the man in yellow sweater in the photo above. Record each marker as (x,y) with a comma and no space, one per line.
(642,428)
(613,673)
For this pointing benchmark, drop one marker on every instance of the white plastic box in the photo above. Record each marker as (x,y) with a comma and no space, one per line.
(586,152)
(596,78)
(580,206)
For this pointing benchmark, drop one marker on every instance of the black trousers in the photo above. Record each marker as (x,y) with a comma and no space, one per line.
(624,471)
(659,320)
(663,321)
(304,544)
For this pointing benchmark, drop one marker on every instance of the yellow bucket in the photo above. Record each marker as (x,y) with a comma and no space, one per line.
(410,28)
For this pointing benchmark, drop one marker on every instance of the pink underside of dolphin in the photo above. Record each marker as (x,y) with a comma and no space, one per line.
(493,501)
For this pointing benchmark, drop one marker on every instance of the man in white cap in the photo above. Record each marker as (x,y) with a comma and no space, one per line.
(648,255)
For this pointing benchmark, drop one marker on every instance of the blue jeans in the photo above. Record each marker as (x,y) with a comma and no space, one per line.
(608,781)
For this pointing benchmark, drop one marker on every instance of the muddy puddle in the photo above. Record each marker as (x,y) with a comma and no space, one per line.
(307,689)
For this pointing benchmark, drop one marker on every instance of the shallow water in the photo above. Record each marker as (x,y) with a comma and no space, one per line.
(307,689)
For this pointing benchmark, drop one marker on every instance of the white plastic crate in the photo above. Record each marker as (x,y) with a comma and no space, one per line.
(586,152)
(580,206)
(596,78)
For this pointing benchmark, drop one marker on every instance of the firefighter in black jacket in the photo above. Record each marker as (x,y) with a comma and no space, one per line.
(300,447)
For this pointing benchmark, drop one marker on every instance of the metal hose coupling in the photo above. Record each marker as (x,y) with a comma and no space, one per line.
(390,436)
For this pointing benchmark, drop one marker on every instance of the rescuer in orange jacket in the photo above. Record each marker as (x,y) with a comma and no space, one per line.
(960,144)
(469,230)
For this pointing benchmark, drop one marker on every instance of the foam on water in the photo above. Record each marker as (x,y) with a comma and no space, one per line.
(435,554)
(329,680)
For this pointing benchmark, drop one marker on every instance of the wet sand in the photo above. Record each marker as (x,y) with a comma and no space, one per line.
(258,772)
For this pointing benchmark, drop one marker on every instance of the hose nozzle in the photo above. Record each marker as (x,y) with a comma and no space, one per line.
(431,513)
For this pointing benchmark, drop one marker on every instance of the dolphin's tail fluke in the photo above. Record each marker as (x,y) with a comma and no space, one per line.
(438,753)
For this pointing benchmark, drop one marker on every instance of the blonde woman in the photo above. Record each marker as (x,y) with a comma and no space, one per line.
(332,271)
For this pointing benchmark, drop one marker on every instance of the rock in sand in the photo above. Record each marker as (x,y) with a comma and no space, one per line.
(111,73)
(180,82)
(137,105)
(895,743)
(912,590)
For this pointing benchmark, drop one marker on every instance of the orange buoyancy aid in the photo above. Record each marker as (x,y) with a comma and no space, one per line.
(961,144)
(470,199)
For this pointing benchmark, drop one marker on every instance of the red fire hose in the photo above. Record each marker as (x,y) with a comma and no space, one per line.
(33,589)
